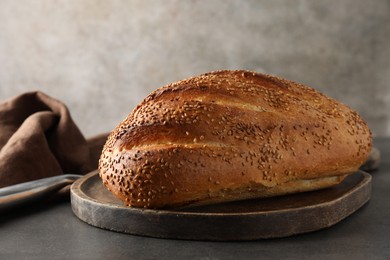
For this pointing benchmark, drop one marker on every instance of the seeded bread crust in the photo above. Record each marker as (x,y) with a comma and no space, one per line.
(231,135)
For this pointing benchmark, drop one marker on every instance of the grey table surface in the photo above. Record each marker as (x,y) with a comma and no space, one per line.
(52,231)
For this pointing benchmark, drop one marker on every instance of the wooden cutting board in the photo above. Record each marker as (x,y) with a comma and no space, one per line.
(243,220)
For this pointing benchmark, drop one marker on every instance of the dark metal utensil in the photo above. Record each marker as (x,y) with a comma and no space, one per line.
(32,191)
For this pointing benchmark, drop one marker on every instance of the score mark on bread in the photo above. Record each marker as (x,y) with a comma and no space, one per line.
(231,135)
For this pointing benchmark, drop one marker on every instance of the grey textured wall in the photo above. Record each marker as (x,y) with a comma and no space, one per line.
(101,58)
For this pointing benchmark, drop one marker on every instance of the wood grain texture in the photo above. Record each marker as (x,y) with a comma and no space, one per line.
(245,220)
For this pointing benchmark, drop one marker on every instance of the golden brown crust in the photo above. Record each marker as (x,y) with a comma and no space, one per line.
(230,135)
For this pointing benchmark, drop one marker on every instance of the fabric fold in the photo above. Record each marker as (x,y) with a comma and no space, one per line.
(38,139)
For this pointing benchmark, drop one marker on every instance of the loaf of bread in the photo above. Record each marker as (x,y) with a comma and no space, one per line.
(231,135)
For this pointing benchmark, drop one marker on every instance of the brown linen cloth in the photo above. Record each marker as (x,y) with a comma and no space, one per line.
(39,139)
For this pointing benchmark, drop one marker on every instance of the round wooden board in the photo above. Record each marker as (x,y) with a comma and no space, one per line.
(242,220)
